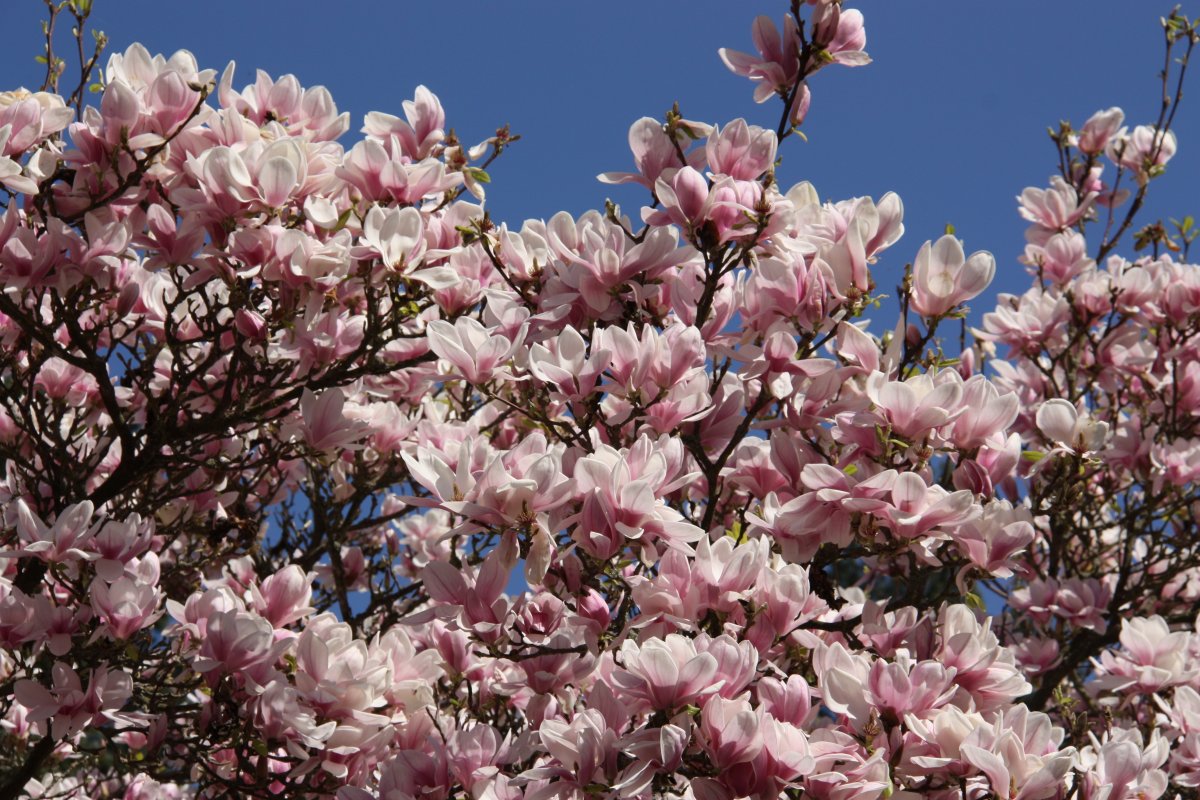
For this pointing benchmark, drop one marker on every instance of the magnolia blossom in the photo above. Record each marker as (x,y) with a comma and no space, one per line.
(1071,431)
(943,277)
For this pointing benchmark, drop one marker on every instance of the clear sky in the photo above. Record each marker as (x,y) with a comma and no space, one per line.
(952,114)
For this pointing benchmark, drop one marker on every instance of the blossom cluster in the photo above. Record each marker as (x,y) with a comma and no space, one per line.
(319,482)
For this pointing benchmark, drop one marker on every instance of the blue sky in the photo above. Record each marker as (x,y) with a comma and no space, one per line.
(952,114)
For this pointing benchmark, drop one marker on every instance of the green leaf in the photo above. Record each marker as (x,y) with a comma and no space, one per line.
(343,219)
(478,174)
(1033,455)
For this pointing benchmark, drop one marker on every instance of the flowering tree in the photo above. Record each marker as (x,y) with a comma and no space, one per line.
(282,420)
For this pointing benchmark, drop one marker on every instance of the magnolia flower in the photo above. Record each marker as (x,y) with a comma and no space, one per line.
(474,351)
(324,426)
(1145,147)
(396,234)
(58,542)
(914,407)
(10,169)
(777,64)
(1100,128)
(944,278)
(126,605)
(1071,432)
(665,673)
(70,706)
(741,151)
(1056,208)
(653,152)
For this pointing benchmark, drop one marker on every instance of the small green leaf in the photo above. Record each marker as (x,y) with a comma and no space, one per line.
(1033,455)
(343,219)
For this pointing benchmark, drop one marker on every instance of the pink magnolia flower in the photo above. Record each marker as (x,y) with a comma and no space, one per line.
(913,508)
(725,571)
(1083,603)
(598,263)
(61,541)
(1071,432)
(474,351)
(583,752)
(686,200)
(1056,208)
(1034,320)
(1060,258)
(31,117)
(379,173)
(804,523)
(1152,657)
(622,501)
(843,770)
(731,731)
(337,673)
(1144,148)
(654,751)
(516,487)
(280,711)
(653,152)
(983,669)
(944,278)
(11,172)
(237,641)
(126,605)
(915,407)
(324,426)
(840,32)
(664,674)
(477,600)
(568,364)
(1036,656)
(117,542)
(945,731)
(741,151)
(419,133)
(892,689)
(986,413)
(68,705)
(283,598)
(1019,755)
(396,234)
(777,64)
(1100,128)
(305,112)
(993,540)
